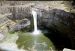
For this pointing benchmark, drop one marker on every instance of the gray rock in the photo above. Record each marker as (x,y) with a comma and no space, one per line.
(20,13)
(21,25)
(56,16)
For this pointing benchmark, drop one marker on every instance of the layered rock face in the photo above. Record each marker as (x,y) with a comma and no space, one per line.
(22,10)
(55,16)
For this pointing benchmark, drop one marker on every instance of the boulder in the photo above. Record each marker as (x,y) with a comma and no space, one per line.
(20,25)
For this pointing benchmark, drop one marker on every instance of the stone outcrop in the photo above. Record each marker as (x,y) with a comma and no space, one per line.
(55,16)
(20,25)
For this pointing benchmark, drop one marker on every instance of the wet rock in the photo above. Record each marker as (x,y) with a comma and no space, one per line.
(60,22)
(21,25)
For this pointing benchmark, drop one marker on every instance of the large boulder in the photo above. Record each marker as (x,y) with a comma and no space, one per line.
(20,25)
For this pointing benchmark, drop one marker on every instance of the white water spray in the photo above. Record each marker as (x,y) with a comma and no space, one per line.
(36,31)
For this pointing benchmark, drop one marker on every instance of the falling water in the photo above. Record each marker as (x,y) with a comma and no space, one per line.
(36,31)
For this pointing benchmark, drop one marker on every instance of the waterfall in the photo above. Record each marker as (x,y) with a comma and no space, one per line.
(35,20)
(36,31)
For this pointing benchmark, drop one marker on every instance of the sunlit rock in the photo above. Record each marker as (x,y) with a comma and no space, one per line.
(65,49)
(2,36)
(20,25)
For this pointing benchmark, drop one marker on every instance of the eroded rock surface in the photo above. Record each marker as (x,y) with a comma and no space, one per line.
(21,25)
(55,16)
